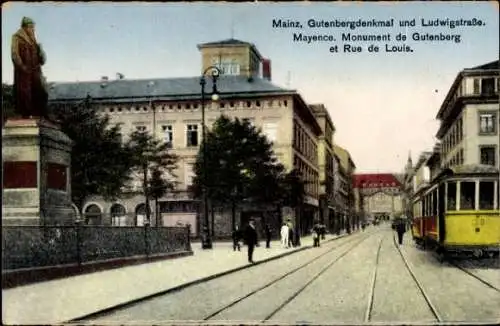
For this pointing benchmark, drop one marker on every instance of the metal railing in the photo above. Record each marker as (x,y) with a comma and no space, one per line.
(36,246)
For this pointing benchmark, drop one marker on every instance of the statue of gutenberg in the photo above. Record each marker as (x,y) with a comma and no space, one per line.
(29,87)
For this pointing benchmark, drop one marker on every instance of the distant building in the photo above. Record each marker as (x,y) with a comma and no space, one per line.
(326,165)
(346,198)
(170,108)
(380,195)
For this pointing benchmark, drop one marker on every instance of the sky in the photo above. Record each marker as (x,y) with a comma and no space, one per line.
(383,104)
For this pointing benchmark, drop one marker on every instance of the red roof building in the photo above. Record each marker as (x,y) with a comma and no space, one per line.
(376,180)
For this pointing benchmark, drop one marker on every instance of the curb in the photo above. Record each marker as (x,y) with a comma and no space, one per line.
(25,276)
(198,281)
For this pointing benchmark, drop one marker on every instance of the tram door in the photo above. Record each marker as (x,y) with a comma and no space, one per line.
(441,211)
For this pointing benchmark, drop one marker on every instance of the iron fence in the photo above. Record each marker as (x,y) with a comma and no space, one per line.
(37,246)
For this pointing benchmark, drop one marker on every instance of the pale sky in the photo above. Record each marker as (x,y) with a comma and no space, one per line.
(382,104)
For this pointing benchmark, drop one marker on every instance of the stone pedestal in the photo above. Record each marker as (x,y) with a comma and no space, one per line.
(36,174)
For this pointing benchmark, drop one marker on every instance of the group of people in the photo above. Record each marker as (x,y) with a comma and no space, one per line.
(250,238)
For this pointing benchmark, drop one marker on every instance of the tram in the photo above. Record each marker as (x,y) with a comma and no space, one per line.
(458,213)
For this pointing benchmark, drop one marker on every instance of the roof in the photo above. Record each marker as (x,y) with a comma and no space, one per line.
(229,43)
(375,180)
(162,88)
(490,66)
(344,156)
(487,66)
(320,110)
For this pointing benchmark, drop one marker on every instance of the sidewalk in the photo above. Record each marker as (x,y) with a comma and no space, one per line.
(61,300)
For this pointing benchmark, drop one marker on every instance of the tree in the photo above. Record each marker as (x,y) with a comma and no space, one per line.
(240,165)
(153,164)
(99,161)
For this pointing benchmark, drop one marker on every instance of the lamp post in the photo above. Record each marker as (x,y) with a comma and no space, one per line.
(153,108)
(206,241)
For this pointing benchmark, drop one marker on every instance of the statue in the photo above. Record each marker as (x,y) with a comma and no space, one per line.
(28,57)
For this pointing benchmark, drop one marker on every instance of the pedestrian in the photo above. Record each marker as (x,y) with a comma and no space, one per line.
(251,239)
(236,238)
(316,231)
(284,235)
(290,234)
(268,232)
(400,229)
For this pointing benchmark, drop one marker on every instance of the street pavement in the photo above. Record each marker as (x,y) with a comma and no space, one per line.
(362,278)
(61,300)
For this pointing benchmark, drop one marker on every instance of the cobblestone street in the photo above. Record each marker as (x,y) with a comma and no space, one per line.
(355,279)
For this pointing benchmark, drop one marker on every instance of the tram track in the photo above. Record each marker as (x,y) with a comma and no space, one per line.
(455,264)
(420,287)
(371,295)
(295,270)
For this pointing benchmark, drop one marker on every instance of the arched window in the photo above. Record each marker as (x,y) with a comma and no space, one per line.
(140,214)
(118,215)
(93,215)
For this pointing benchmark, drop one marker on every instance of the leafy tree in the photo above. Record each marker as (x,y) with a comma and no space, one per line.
(240,165)
(151,162)
(99,161)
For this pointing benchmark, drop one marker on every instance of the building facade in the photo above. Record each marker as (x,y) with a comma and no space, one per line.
(469,117)
(378,195)
(326,165)
(170,108)
(345,171)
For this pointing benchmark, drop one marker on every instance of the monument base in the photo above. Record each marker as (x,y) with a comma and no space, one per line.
(36,173)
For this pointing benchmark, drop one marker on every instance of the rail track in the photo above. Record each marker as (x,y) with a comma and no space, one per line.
(302,288)
(477,277)
(371,296)
(209,317)
(431,306)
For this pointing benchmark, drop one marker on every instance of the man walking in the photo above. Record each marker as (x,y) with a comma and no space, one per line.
(400,229)
(251,239)
(268,233)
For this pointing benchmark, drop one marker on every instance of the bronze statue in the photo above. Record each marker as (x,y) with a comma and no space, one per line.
(30,94)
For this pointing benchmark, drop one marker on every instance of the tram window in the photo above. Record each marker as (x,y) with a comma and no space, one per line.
(486,191)
(467,195)
(452,196)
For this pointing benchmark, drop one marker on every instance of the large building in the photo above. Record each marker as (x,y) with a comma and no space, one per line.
(345,196)
(468,136)
(326,165)
(378,195)
(469,116)
(170,109)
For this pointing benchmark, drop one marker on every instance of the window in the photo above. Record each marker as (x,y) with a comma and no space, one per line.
(488,155)
(486,193)
(451,198)
(488,86)
(227,67)
(487,123)
(168,135)
(192,135)
(271,131)
(475,87)
(467,195)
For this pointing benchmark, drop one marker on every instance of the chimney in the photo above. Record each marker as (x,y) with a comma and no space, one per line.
(104,78)
(266,69)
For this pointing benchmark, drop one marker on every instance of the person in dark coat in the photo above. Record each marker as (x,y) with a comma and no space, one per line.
(268,232)
(236,238)
(400,229)
(251,239)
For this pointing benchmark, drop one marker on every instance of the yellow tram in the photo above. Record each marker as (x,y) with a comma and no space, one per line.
(458,212)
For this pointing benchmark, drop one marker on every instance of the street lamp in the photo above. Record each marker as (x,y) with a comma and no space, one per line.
(206,241)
